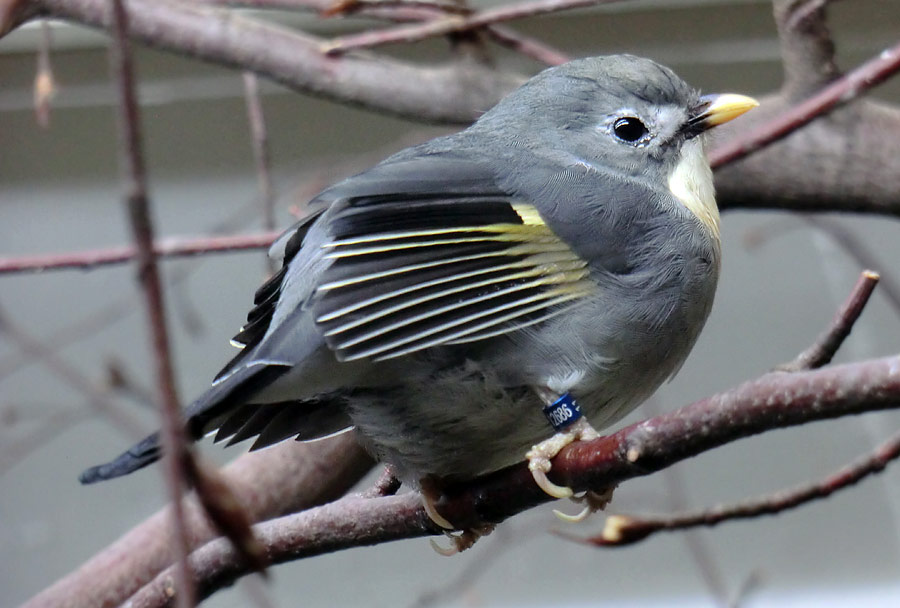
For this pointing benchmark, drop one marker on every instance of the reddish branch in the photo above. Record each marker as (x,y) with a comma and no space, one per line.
(317,473)
(621,530)
(457,94)
(407,10)
(454,93)
(824,348)
(627,529)
(841,91)
(775,400)
(134,176)
(170,247)
(454,23)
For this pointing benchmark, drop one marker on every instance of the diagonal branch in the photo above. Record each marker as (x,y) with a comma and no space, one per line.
(621,530)
(317,472)
(453,93)
(454,24)
(134,178)
(775,400)
(826,346)
(840,92)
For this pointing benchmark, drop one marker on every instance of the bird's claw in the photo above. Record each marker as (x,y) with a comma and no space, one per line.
(461,542)
(539,456)
(539,467)
(430,494)
(433,515)
(593,502)
(573,519)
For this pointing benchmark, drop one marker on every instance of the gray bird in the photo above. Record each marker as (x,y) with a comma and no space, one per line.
(458,302)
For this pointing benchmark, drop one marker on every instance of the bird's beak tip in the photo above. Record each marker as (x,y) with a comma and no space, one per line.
(715,110)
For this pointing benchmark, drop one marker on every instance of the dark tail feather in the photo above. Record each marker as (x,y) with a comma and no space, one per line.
(232,391)
(137,457)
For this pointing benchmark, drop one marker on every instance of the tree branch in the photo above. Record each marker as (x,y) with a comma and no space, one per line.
(621,530)
(318,473)
(454,93)
(169,247)
(826,346)
(775,400)
(454,24)
(841,91)
(807,49)
(134,177)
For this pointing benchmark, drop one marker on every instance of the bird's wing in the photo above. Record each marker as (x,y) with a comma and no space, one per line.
(444,260)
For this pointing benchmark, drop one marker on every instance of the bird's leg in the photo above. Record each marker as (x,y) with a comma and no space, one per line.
(564,415)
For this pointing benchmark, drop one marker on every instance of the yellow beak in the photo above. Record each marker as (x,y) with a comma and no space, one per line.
(714,110)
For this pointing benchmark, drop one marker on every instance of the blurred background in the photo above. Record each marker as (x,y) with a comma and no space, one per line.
(59,191)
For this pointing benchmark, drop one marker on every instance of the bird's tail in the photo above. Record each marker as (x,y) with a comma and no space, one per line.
(141,454)
(232,391)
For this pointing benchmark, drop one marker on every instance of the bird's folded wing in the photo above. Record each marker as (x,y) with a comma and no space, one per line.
(412,271)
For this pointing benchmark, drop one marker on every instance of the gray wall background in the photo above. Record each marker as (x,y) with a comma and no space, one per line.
(59,192)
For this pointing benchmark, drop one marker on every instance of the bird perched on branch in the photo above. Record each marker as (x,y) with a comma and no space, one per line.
(487,296)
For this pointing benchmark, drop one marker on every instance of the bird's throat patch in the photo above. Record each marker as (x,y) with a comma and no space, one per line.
(691,182)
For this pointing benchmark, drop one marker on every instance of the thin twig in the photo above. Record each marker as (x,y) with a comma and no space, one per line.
(526,45)
(623,530)
(134,177)
(454,24)
(260,139)
(626,529)
(166,248)
(44,82)
(454,93)
(842,91)
(826,345)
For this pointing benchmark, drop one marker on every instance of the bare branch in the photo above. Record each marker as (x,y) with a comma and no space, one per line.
(454,93)
(526,46)
(166,248)
(623,530)
(841,91)
(318,472)
(775,400)
(454,24)
(134,177)
(827,344)
(844,238)
(807,49)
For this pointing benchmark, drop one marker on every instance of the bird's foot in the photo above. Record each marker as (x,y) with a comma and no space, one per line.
(593,501)
(539,456)
(459,542)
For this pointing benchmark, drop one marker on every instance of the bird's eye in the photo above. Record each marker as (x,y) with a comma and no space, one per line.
(629,128)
